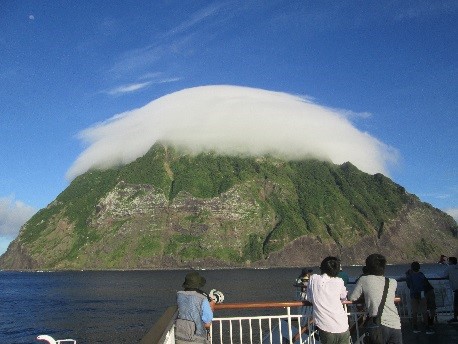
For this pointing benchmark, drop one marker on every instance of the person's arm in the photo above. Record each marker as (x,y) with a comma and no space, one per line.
(343,291)
(207,313)
(423,279)
(357,292)
(409,280)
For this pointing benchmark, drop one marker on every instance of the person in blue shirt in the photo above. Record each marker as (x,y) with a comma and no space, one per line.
(416,282)
(195,311)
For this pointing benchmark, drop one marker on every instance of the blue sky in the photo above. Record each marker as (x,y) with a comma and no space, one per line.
(389,67)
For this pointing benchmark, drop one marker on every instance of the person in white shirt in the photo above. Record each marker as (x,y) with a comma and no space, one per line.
(326,292)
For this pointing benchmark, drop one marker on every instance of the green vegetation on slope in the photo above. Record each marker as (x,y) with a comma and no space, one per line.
(338,203)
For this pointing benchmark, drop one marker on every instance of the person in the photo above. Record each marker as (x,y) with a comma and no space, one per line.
(326,292)
(304,277)
(359,307)
(195,311)
(416,281)
(442,259)
(371,287)
(302,281)
(342,274)
(452,274)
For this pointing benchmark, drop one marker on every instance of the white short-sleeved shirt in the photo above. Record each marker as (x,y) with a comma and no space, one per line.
(326,294)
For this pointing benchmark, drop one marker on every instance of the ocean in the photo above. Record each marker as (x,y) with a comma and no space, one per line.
(121,306)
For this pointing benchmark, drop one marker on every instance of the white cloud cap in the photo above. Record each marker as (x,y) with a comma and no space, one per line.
(232,120)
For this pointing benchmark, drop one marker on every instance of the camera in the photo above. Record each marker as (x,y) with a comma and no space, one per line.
(216,296)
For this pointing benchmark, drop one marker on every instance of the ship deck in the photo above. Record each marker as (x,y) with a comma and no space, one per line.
(445,334)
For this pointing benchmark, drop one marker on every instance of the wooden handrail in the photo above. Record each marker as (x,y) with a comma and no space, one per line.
(275,304)
(156,334)
(265,304)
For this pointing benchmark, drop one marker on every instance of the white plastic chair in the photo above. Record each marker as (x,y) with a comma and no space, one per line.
(51,340)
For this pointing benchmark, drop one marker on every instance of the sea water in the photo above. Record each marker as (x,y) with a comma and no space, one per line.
(121,306)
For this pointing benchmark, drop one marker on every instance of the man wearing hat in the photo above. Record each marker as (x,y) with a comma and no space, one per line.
(195,311)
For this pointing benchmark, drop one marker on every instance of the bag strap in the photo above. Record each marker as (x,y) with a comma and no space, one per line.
(382,303)
(200,292)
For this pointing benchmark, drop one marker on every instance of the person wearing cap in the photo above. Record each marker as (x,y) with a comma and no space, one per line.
(195,311)
(302,281)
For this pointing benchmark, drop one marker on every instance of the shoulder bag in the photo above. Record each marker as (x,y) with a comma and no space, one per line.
(373,326)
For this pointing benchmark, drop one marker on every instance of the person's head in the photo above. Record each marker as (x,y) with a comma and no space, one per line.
(330,266)
(415,266)
(452,260)
(364,270)
(304,271)
(375,264)
(193,281)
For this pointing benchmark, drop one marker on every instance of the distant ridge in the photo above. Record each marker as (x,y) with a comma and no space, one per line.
(170,209)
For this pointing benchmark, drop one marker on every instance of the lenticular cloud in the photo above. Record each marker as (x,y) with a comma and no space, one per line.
(233,120)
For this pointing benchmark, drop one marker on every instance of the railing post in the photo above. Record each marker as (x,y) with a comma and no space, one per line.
(290,332)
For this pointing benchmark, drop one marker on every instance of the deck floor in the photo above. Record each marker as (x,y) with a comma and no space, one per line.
(445,334)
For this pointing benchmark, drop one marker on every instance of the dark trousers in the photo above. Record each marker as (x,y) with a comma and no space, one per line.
(334,338)
(392,335)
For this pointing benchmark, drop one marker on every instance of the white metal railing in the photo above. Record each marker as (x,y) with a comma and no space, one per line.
(275,329)
(443,296)
(266,329)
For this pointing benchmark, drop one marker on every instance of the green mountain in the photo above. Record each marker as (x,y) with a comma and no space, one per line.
(171,209)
